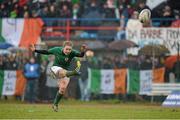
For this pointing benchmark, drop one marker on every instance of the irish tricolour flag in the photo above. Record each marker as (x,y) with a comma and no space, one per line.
(113,81)
(20,32)
(110,81)
(12,82)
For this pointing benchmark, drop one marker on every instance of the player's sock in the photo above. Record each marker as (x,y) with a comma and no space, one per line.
(57,98)
(72,73)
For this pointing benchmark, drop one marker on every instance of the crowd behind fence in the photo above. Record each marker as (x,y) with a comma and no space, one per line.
(45,86)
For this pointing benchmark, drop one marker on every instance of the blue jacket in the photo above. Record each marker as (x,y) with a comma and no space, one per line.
(31,70)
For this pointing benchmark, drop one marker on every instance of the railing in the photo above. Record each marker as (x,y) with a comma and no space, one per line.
(91,28)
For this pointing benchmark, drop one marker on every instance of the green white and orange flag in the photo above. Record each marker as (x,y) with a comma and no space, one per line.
(20,32)
(12,82)
(107,81)
(140,81)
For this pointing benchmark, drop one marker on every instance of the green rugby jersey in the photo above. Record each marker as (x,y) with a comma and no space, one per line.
(61,59)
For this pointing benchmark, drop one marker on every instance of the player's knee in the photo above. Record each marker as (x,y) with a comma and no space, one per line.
(62,73)
(62,90)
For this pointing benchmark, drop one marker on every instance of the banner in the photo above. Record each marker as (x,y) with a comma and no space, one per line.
(163,36)
(172,100)
(107,81)
(12,82)
(120,81)
(145,82)
(20,32)
(133,81)
(9,83)
(114,81)
(158,75)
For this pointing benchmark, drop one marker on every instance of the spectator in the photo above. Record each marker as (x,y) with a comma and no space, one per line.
(76,11)
(15,11)
(123,11)
(76,14)
(121,33)
(24,11)
(44,12)
(146,64)
(92,6)
(176,23)
(52,11)
(142,5)
(34,14)
(26,14)
(9,6)
(31,72)
(66,3)
(22,3)
(3,11)
(167,14)
(83,81)
(130,10)
(12,63)
(134,23)
(65,12)
(110,12)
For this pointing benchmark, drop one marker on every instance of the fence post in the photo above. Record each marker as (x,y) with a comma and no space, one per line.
(68,29)
(152,99)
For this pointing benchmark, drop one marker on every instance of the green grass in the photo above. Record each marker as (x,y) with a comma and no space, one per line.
(87,110)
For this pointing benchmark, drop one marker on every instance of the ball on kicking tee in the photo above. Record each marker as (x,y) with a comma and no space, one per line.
(145,16)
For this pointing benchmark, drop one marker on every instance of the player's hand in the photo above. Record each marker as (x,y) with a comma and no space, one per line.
(32,47)
(83,48)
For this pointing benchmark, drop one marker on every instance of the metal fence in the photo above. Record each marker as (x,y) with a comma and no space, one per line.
(90,28)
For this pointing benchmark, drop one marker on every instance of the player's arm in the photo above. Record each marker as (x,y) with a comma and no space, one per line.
(83,50)
(33,49)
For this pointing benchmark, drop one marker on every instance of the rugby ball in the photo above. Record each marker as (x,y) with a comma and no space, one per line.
(145,16)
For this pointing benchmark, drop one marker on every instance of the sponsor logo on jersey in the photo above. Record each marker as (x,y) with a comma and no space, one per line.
(66,59)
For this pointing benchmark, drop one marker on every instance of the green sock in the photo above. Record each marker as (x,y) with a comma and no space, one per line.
(57,98)
(71,73)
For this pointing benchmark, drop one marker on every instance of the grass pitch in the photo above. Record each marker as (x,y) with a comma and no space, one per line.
(87,110)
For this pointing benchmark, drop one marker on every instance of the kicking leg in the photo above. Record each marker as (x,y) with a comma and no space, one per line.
(74,72)
(59,72)
(64,73)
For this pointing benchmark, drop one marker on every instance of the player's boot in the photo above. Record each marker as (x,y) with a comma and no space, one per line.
(77,70)
(55,108)
(74,72)
(77,73)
